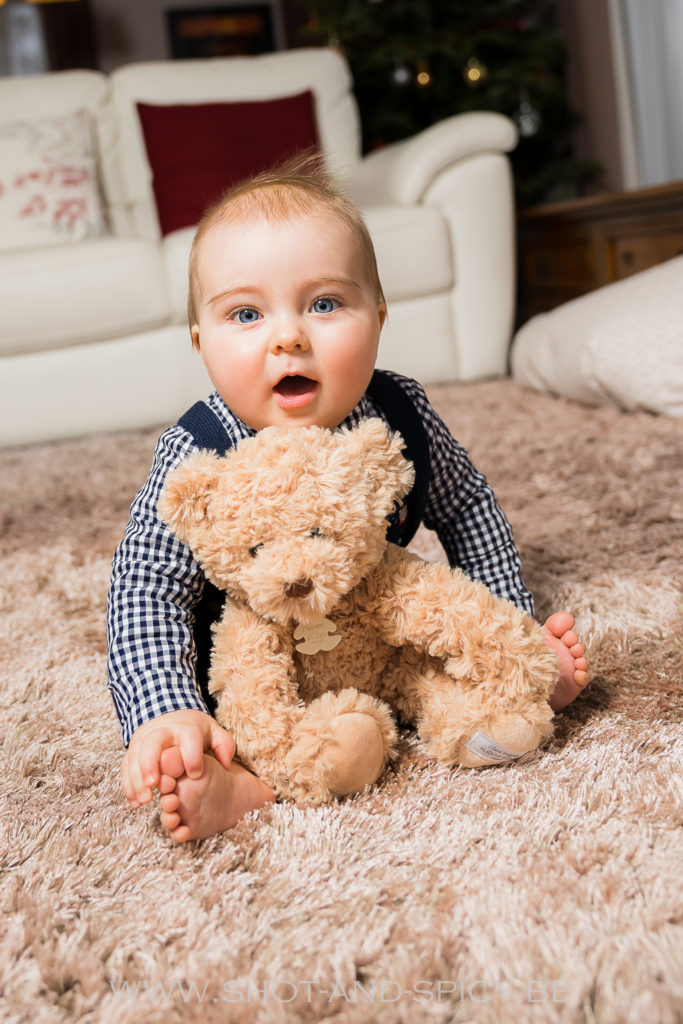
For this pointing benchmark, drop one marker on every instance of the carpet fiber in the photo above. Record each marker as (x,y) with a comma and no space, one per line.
(538,892)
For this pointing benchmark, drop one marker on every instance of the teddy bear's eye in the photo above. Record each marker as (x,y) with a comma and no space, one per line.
(255,550)
(315,531)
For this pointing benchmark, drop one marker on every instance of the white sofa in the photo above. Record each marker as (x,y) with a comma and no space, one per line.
(93,334)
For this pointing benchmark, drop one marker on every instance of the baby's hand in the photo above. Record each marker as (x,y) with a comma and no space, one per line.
(192,732)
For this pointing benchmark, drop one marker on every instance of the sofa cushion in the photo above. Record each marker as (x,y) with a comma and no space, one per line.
(619,345)
(413,249)
(263,77)
(197,150)
(69,294)
(49,189)
(412,244)
(175,251)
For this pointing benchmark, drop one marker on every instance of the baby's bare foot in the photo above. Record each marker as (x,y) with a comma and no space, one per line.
(197,808)
(560,636)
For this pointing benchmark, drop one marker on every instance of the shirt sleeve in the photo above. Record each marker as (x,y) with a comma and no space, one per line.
(463,510)
(155,585)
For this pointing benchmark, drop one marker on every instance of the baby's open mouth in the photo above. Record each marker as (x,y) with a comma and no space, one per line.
(295,385)
(295,389)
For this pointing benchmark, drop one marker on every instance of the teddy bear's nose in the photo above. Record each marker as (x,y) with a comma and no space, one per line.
(299,588)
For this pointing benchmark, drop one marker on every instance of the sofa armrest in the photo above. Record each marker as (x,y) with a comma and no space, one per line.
(403,171)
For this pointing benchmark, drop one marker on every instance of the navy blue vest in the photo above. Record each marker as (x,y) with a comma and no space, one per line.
(208,432)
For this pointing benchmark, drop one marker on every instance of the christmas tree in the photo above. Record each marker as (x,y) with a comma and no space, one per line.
(415,62)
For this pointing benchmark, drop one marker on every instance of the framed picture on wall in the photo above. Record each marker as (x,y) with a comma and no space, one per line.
(227,30)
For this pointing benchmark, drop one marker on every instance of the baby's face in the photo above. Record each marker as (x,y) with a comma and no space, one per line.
(289,322)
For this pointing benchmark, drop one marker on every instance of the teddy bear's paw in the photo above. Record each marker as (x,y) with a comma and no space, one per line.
(355,754)
(508,738)
(341,746)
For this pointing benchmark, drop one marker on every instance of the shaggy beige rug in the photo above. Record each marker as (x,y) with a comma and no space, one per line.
(538,892)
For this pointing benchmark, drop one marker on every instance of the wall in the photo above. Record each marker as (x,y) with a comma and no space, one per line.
(592,89)
(133,30)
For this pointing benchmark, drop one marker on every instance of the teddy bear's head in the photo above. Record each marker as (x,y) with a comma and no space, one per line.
(291,519)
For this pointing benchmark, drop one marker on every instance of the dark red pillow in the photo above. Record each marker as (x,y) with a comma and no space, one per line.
(197,150)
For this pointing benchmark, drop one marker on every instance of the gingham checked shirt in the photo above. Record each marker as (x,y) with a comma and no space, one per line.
(156,582)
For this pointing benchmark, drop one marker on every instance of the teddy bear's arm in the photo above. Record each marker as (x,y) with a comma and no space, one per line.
(440,611)
(254,680)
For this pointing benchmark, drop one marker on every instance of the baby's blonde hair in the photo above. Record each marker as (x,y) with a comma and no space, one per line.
(298,187)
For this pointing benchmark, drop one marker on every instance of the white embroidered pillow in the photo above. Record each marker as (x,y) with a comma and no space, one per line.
(49,187)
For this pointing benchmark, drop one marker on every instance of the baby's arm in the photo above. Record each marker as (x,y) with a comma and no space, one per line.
(152,675)
(463,510)
(192,732)
(154,587)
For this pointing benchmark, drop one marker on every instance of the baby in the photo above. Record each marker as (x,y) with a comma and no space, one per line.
(285,310)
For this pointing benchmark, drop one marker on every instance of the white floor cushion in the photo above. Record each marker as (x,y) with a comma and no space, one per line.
(620,345)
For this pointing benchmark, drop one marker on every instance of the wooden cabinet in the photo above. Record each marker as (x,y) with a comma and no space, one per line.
(569,248)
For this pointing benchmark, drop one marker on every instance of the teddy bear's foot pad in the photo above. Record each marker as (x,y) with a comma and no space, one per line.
(355,754)
(509,739)
(340,746)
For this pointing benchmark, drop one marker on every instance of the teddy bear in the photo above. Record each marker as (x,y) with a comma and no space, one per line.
(330,634)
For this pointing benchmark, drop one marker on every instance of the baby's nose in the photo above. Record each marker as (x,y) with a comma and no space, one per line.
(289,335)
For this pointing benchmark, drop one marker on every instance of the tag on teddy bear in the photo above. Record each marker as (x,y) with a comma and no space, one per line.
(483,746)
(316,636)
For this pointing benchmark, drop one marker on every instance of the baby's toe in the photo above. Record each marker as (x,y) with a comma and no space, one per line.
(166,784)
(559,622)
(169,802)
(570,639)
(170,821)
(181,834)
(581,664)
(171,762)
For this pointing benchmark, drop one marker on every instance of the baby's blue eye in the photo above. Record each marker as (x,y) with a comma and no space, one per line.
(247,315)
(324,305)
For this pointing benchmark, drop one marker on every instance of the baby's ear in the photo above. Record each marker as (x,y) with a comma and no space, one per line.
(380,454)
(187,491)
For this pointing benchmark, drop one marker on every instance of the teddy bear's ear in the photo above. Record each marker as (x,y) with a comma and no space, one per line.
(380,452)
(187,491)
